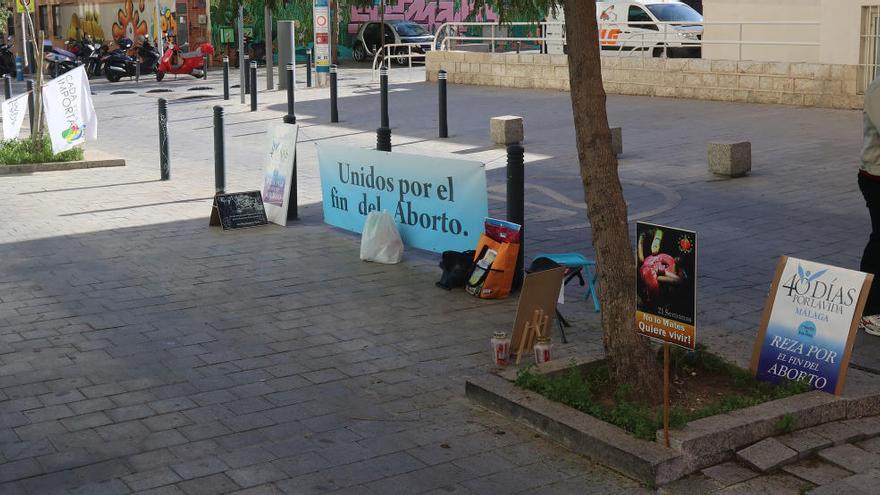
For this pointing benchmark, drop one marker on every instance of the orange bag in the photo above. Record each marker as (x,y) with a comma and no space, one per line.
(492,277)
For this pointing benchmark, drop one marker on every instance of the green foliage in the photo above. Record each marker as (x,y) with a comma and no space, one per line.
(579,391)
(20,151)
(786,424)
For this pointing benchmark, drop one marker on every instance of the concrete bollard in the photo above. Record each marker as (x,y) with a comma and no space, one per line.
(730,158)
(506,129)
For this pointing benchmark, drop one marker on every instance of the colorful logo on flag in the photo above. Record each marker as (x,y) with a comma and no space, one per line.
(72,133)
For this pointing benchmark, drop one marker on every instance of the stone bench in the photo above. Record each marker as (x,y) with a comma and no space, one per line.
(506,129)
(730,158)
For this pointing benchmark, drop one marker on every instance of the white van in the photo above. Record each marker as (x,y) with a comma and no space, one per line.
(660,27)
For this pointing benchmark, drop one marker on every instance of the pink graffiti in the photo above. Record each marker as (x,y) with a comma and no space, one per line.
(430,13)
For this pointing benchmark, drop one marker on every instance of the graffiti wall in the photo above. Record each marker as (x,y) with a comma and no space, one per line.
(430,13)
(126,19)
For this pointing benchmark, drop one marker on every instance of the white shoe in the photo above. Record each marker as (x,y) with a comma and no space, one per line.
(871,324)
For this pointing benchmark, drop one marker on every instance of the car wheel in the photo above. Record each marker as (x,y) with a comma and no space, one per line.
(159,76)
(401,57)
(359,53)
(659,52)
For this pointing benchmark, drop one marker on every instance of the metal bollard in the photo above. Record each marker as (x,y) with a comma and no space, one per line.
(383,79)
(515,202)
(290,118)
(164,157)
(441,87)
(30,90)
(225,78)
(247,78)
(253,79)
(334,96)
(137,72)
(219,152)
(205,67)
(308,68)
(383,139)
(7,87)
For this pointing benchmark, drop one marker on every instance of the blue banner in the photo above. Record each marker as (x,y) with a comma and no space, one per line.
(439,204)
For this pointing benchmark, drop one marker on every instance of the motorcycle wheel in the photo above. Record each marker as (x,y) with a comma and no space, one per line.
(159,75)
(112,76)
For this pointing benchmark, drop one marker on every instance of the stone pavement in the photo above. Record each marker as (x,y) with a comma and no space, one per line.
(140,350)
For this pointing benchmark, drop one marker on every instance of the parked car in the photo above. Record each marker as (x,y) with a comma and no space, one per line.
(368,39)
(651,25)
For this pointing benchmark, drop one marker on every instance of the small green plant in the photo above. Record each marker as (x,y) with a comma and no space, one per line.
(786,424)
(21,151)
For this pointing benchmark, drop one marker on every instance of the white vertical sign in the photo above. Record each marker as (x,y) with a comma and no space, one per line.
(13,111)
(322,40)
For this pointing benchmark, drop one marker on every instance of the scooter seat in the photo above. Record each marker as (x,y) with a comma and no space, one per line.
(193,54)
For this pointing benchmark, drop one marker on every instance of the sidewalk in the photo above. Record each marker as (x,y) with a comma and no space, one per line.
(141,349)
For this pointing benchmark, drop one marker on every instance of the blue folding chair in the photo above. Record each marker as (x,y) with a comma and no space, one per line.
(576,265)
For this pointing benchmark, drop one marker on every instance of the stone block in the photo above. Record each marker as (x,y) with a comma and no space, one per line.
(838,432)
(617,140)
(723,66)
(767,455)
(816,471)
(730,159)
(506,129)
(805,442)
(851,458)
(729,473)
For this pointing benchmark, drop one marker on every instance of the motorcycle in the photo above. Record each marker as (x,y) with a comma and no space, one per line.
(175,61)
(7,59)
(118,63)
(59,60)
(88,53)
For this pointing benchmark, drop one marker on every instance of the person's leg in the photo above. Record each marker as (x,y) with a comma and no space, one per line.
(871,256)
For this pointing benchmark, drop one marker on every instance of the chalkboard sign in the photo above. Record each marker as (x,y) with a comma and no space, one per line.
(238,210)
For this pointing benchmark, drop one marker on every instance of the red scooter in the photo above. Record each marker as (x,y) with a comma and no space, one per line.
(175,61)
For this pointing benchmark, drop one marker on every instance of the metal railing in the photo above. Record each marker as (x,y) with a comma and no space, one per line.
(627,37)
(391,52)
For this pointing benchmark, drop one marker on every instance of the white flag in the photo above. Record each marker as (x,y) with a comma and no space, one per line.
(13,115)
(70,114)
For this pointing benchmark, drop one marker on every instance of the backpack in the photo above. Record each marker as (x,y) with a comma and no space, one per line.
(495,264)
(457,267)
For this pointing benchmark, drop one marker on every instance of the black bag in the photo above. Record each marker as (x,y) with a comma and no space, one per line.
(457,267)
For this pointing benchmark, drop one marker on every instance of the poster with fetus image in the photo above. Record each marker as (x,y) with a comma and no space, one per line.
(666,284)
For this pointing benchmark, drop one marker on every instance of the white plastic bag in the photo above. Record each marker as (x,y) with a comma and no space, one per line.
(380,241)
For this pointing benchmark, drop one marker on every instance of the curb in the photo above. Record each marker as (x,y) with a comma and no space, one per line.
(28,168)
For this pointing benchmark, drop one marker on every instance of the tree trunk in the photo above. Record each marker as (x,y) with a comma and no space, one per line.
(630,359)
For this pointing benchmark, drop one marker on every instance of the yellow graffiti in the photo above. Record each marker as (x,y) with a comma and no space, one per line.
(89,25)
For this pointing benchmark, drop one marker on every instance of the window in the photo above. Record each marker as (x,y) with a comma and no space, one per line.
(43,21)
(410,29)
(56,21)
(671,12)
(637,14)
(869,51)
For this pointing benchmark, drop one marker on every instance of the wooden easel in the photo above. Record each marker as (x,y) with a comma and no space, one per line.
(536,327)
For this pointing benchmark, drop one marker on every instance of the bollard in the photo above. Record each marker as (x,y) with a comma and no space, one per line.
(30,90)
(19,68)
(441,87)
(334,96)
(383,139)
(219,149)
(308,68)
(225,78)
(515,202)
(253,79)
(383,79)
(247,78)
(205,67)
(137,72)
(518,46)
(290,118)
(164,158)
(7,87)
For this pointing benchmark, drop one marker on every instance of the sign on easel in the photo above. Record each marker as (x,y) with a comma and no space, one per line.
(278,172)
(809,324)
(238,210)
(666,279)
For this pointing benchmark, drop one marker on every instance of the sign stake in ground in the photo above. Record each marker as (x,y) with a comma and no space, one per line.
(666,293)
(809,324)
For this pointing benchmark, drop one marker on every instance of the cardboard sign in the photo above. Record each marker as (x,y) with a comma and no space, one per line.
(238,210)
(666,284)
(540,291)
(809,324)
(439,204)
(279,170)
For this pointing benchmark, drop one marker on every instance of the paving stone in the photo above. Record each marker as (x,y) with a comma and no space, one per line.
(209,485)
(256,474)
(805,442)
(151,479)
(200,467)
(859,484)
(871,445)
(696,484)
(869,426)
(767,455)
(729,473)
(777,484)
(838,432)
(816,471)
(851,458)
